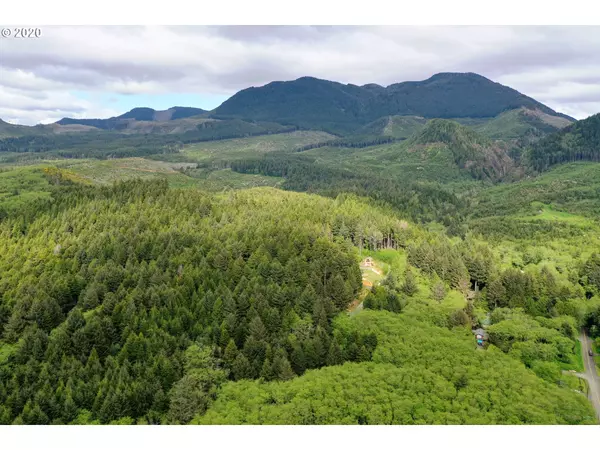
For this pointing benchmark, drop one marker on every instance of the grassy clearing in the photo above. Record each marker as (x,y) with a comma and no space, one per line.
(109,171)
(396,261)
(228,179)
(572,382)
(374,274)
(371,276)
(229,149)
(547,212)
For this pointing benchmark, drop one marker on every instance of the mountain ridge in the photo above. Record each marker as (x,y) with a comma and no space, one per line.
(136,114)
(312,102)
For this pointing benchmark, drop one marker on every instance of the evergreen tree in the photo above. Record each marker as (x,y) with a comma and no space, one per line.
(241,367)
(334,355)
(438,291)
(409,287)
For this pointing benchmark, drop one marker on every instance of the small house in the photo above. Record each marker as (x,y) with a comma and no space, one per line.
(368,262)
(480,335)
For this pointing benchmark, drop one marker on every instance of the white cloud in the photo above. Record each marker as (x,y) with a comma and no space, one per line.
(556,65)
(23,107)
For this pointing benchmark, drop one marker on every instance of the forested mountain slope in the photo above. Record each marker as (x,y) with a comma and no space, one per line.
(470,150)
(314,103)
(127,278)
(577,142)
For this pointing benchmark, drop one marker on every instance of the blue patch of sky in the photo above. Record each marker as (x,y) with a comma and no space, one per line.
(123,103)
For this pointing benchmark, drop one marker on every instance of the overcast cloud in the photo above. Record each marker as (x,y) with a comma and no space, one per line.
(86,71)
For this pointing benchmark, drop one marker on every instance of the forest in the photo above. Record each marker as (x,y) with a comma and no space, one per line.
(139,303)
(112,144)
(577,142)
(246,267)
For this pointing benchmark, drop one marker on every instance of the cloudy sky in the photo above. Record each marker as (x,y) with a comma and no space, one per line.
(88,72)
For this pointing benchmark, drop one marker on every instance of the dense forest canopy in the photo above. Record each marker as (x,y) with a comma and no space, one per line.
(129,277)
(321,104)
(420,374)
(142,304)
(146,279)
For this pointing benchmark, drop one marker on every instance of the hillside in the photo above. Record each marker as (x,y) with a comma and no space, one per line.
(400,127)
(577,142)
(522,123)
(137,114)
(110,144)
(314,103)
(8,130)
(470,150)
(170,305)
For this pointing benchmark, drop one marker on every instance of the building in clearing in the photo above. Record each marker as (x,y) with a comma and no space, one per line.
(480,335)
(368,262)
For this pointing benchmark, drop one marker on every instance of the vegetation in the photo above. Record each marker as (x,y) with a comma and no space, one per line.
(470,150)
(109,144)
(137,114)
(131,276)
(577,142)
(398,127)
(154,275)
(420,374)
(319,104)
(521,125)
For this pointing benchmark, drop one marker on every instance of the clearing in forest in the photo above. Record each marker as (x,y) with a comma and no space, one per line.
(373,272)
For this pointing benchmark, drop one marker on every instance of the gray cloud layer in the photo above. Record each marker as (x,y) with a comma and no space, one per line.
(40,78)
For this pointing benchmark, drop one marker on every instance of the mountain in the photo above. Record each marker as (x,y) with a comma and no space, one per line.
(577,142)
(136,114)
(481,157)
(307,102)
(342,108)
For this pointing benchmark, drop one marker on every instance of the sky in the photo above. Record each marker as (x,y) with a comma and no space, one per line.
(99,72)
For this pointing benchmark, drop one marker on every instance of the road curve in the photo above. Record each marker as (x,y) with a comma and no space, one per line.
(591,375)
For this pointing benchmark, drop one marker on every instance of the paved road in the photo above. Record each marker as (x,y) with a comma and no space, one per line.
(591,375)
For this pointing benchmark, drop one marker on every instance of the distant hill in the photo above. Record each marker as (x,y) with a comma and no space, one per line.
(9,130)
(342,108)
(522,123)
(122,122)
(577,142)
(471,151)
